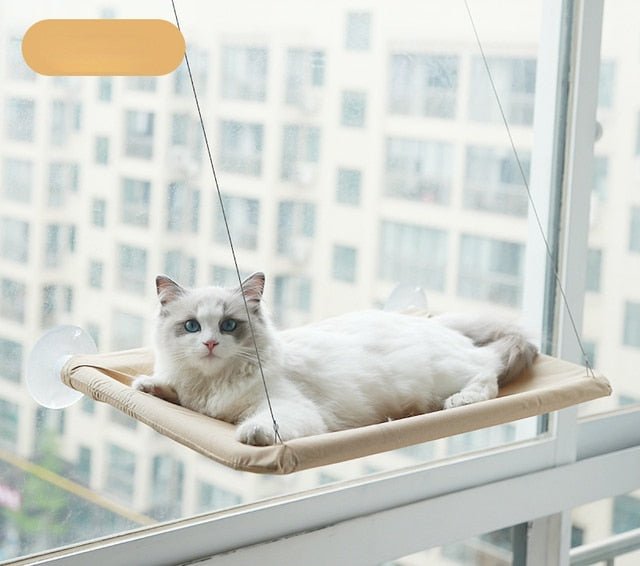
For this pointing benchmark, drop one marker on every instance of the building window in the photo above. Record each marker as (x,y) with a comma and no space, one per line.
(99,212)
(199,62)
(9,417)
(132,273)
(96,270)
(139,134)
(127,331)
(305,75)
(423,85)
(605,87)
(634,230)
(10,360)
(121,471)
(594,269)
(631,324)
(66,118)
(493,181)
(226,276)
(626,514)
(56,300)
(105,89)
(102,150)
(63,179)
(344,263)
(186,135)
(244,73)
(412,254)
(296,228)
(60,241)
(419,170)
(211,497)
(515,80)
(241,147)
(17,69)
(12,299)
(291,298)
(141,84)
(300,153)
(19,119)
(358,35)
(14,239)
(600,174)
(167,480)
(243,215)
(136,195)
(183,208)
(17,179)
(349,186)
(354,108)
(490,270)
(181,267)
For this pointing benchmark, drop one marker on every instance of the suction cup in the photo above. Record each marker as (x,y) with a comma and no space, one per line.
(405,297)
(46,360)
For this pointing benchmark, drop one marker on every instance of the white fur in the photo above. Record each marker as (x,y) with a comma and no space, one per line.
(352,370)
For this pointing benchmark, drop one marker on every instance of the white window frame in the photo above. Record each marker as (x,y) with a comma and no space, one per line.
(392,514)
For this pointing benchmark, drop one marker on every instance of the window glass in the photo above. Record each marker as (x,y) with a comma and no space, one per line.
(419,170)
(357,148)
(349,186)
(358,37)
(244,73)
(423,84)
(17,179)
(611,324)
(138,140)
(19,119)
(354,109)
(599,521)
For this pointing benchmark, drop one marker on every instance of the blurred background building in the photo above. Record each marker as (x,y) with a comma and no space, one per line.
(359,146)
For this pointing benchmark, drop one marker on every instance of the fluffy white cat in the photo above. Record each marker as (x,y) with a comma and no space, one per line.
(348,371)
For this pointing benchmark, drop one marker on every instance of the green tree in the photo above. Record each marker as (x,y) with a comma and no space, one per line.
(42,520)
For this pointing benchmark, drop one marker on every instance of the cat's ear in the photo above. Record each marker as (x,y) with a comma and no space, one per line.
(168,289)
(253,287)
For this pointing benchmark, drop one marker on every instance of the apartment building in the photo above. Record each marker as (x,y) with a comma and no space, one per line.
(356,147)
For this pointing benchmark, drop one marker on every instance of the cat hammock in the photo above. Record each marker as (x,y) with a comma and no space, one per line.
(550,385)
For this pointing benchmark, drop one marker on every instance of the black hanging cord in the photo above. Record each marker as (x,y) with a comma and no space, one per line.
(276,432)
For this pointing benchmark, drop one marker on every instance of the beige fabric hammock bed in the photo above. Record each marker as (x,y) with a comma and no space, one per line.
(550,385)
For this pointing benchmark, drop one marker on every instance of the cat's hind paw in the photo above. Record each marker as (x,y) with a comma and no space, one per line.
(255,434)
(155,387)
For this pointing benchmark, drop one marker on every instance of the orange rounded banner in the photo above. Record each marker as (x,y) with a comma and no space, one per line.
(103,47)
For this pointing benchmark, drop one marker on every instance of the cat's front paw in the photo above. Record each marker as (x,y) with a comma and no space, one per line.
(463,398)
(256,434)
(155,387)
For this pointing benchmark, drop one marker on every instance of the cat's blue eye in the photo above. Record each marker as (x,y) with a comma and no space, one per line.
(228,325)
(192,325)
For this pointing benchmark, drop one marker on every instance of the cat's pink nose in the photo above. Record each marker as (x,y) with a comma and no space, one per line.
(211,344)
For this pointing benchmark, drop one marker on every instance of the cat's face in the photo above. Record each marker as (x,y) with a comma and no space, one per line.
(207,329)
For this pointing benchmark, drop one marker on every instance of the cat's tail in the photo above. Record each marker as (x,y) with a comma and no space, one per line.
(507,338)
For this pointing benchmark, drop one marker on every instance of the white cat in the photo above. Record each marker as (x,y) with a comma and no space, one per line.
(352,370)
